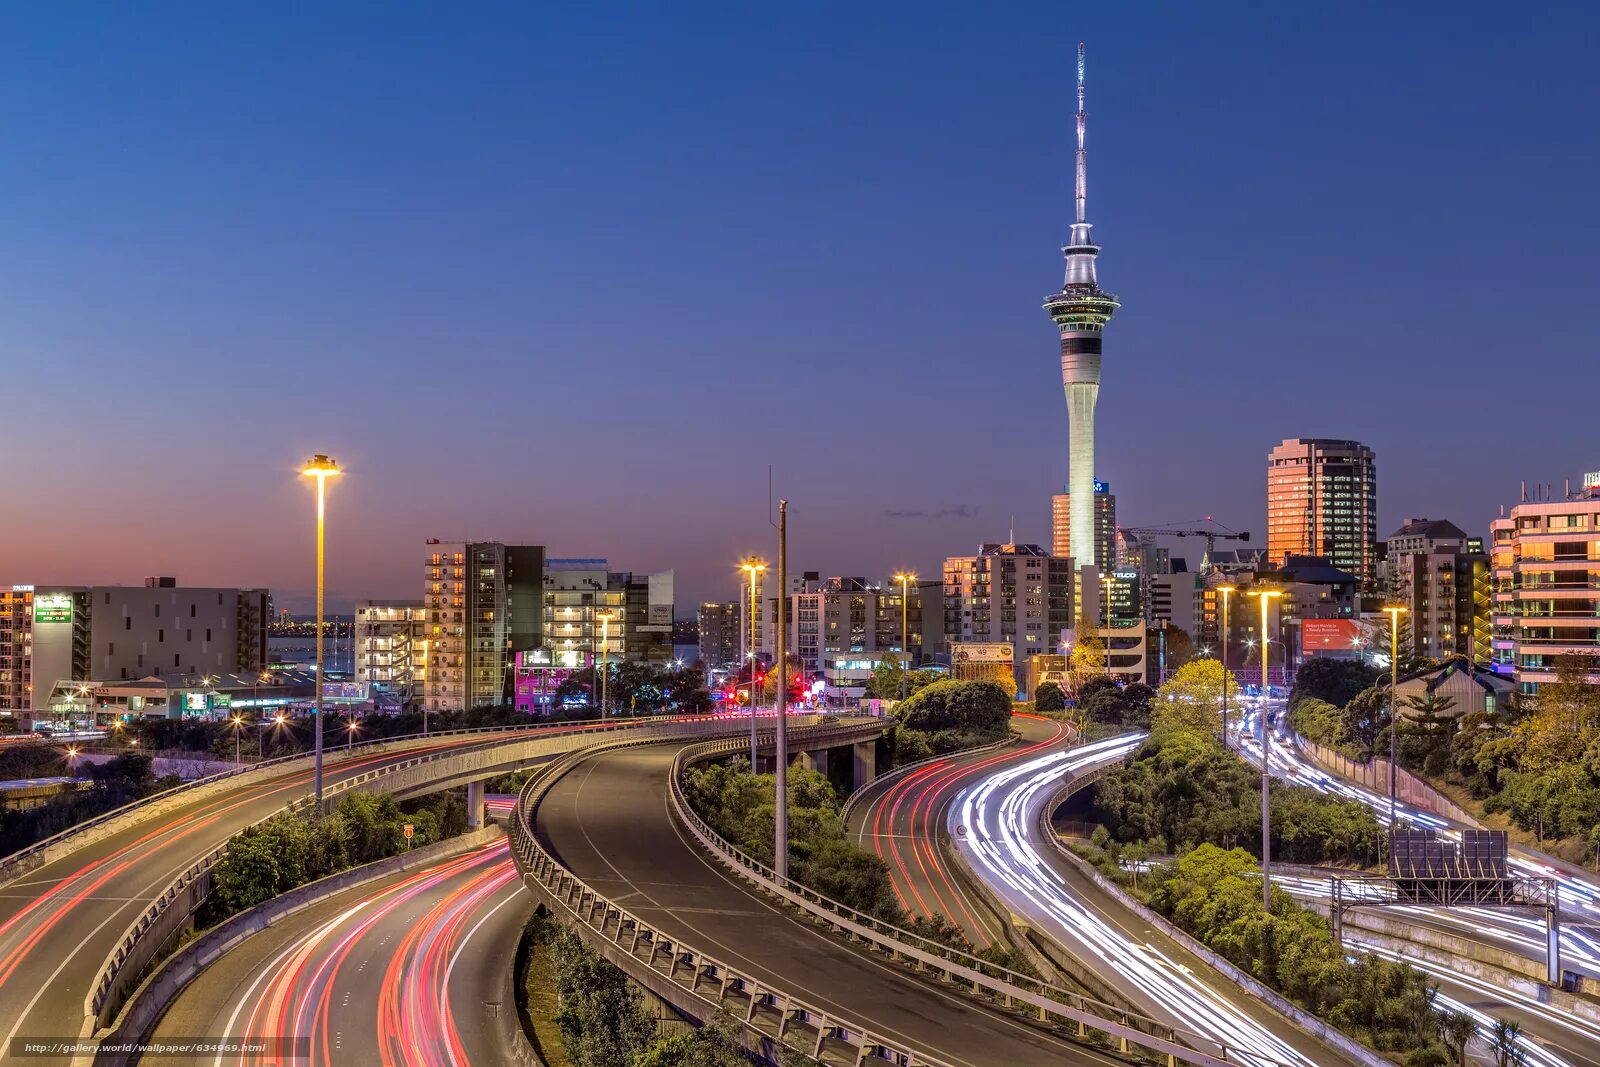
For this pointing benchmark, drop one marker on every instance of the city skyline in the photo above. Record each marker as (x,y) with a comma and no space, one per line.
(188,322)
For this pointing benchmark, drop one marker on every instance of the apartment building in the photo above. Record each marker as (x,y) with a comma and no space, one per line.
(1442,576)
(1545,572)
(1322,500)
(1013,594)
(391,647)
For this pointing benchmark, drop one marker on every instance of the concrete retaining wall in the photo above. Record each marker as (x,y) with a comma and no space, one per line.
(1374,775)
(153,996)
(1329,1035)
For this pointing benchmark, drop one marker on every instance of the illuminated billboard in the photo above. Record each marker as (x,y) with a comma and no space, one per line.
(52,607)
(1319,636)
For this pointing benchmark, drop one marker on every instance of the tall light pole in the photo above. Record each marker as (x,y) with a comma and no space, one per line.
(321,468)
(905,579)
(752,567)
(1394,613)
(780,845)
(238,723)
(605,675)
(1266,596)
(1225,591)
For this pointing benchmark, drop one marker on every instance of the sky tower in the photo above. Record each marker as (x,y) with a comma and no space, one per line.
(1080,311)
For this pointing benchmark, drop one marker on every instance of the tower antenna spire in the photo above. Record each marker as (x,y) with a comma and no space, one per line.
(1083,159)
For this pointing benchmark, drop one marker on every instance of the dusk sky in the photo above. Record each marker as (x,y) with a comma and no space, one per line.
(574,275)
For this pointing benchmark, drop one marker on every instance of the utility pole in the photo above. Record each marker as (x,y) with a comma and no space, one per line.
(780,845)
(1266,596)
(1394,709)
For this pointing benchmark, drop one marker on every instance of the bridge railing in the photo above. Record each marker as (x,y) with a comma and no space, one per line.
(800,1026)
(1071,1012)
(191,886)
(7,863)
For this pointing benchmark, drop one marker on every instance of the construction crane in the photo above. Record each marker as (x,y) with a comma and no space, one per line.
(1213,532)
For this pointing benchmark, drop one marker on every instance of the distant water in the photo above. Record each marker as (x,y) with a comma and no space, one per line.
(336,652)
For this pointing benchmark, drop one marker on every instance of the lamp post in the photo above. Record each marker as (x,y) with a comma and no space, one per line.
(238,723)
(350,731)
(780,737)
(1225,591)
(1394,614)
(905,579)
(752,567)
(605,676)
(321,468)
(1266,596)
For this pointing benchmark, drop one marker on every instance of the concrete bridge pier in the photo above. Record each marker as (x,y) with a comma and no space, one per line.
(475,805)
(864,763)
(815,760)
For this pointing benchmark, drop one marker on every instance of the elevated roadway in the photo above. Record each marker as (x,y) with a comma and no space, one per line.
(66,910)
(609,821)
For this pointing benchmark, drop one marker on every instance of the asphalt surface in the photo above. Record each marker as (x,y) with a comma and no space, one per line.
(608,820)
(402,972)
(60,922)
(1001,811)
(1553,1036)
(902,819)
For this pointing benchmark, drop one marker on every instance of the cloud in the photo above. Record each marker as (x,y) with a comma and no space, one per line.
(952,511)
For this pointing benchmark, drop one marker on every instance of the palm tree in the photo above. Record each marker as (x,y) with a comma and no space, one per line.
(1507,1045)
(1457,1031)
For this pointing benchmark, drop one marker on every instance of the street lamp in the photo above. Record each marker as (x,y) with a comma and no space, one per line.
(238,724)
(605,638)
(752,567)
(321,468)
(1226,591)
(1265,596)
(351,727)
(904,578)
(1394,612)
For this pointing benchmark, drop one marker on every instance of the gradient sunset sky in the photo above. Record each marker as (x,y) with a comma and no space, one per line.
(576,274)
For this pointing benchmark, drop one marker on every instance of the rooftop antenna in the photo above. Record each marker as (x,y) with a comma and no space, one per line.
(1013,534)
(1083,164)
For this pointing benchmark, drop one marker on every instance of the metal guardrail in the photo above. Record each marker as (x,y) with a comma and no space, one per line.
(97,1002)
(793,1023)
(277,761)
(1068,1011)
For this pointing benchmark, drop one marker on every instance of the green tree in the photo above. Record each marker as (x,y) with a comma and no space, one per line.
(602,1017)
(1192,698)
(1088,659)
(1334,681)
(715,1044)
(1506,1044)
(1049,697)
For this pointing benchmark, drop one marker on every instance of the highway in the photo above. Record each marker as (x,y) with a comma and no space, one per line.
(60,921)
(608,820)
(902,820)
(1001,813)
(395,973)
(1554,1036)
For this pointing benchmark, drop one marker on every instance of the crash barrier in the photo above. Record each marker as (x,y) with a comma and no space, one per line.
(170,911)
(1071,1013)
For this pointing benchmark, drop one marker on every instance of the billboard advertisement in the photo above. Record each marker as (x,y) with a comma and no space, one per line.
(1322,636)
(980,652)
(52,607)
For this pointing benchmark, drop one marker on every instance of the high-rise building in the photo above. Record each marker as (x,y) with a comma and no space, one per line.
(488,603)
(1442,576)
(391,647)
(1009,594)
(1105,524)
(1322,500)
(1080,311)
(720,637)
(465,596)
(1546,588)
(53,636)
(845,626)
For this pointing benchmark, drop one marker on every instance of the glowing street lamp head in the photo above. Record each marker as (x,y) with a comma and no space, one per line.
(905,577)
(321,467)
(753,566)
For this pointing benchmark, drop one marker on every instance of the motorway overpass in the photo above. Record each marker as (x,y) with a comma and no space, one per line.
(72,907)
